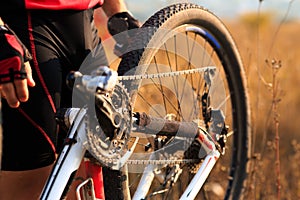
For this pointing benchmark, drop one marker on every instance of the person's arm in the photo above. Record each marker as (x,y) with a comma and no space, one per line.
(119,22)
(111,7)
(15,74)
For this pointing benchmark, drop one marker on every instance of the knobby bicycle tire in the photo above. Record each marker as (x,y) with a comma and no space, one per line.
(198,22)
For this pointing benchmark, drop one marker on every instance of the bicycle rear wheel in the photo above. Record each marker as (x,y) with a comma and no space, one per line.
(191,69)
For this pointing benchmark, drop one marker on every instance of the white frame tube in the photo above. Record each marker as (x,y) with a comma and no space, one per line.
(200,177)
(68,161)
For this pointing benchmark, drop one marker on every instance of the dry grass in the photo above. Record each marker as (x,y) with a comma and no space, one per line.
(260,43)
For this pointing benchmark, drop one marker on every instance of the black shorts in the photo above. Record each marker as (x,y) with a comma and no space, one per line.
(59,42)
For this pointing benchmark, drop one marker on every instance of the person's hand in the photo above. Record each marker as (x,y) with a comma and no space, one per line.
(15,71)
(119,26)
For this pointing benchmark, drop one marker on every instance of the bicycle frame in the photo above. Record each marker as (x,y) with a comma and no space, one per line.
(68,161)
(73,153)
(202,174)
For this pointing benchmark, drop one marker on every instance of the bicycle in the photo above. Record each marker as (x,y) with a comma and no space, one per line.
(181,109)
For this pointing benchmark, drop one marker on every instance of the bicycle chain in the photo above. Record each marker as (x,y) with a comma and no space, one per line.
(161,162)
(164,74)
(110,161)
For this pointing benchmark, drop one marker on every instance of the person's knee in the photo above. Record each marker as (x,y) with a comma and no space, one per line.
(23,184)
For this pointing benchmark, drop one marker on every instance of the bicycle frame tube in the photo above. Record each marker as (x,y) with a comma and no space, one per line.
(200,177)
(145,182)
(68,161)
(207,165)
(94,172)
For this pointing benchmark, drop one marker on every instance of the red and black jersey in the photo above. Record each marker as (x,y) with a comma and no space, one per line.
(21,5)
(61,4)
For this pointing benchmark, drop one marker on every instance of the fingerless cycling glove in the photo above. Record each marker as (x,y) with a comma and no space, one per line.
(13,54)
(118,26)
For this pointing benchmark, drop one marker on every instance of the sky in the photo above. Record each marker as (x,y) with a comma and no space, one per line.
(223,8)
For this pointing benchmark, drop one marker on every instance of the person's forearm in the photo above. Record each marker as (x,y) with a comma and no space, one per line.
(111,7)
(1,22)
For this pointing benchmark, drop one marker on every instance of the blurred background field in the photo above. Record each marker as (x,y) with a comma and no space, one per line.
(268,40)
(262,39)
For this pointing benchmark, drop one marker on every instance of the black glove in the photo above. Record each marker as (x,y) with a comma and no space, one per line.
(118,26)
(13,54)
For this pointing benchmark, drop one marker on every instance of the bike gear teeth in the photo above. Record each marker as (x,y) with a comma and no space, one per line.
(106,151)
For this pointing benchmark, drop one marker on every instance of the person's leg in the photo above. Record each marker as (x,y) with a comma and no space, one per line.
(25,185)
(29,132)
(29,136)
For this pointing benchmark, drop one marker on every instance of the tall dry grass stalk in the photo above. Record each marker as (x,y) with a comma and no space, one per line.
(276,99)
